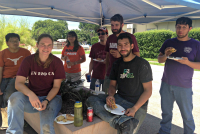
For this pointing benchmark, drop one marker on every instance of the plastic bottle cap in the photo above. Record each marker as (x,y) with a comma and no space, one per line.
(78,104)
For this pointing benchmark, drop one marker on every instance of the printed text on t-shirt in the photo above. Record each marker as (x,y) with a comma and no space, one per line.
(42,73)
(113,45)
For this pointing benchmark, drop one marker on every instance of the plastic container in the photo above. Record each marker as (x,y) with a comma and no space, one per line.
(78,114)
(97,84)
(68,60)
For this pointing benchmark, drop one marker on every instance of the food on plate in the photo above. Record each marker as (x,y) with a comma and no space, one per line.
(69,117)
(60,118)
(114,106)
(173,50)
(64,120)
(99,59)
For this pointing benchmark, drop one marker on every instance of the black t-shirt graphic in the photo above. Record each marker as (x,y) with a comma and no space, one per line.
(130,76)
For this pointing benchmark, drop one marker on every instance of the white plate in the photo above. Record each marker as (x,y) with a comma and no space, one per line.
(61,122)
(174,58)
(98,60)
(118,111)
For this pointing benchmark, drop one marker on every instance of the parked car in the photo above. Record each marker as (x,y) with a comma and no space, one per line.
(85,46)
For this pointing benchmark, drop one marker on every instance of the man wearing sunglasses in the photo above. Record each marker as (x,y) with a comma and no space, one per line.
(111,47)
(98,55)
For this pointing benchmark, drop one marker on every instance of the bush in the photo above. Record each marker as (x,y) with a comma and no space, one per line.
(94,40)
(195,34)
(149,42)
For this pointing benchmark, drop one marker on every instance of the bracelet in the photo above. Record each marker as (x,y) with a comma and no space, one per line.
(46,100)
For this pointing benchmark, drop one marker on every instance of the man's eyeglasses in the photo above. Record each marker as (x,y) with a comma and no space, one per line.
(14,41)
(101,34)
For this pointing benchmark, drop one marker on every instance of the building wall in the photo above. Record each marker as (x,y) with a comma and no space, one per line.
(163,25)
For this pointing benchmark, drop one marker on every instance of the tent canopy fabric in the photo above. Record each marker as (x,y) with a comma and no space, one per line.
(100,11)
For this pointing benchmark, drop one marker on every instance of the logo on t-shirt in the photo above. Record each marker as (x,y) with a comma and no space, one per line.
(15,60)
(69,52)
(187,49)
(126,74)
(113,45)
(42,73)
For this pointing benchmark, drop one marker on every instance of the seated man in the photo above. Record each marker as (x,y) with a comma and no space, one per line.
(10,60)
(134,78)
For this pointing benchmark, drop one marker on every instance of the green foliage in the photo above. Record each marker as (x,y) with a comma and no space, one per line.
(150,42)
(90,30)
(57,29)
(95,40)
(20,27)
(195,34)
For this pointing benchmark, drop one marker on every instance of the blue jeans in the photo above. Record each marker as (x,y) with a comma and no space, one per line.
(92,84)
(7,87)
(98,102)
(183,98)
(19,103)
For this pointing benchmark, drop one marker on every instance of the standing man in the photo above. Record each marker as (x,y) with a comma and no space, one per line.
(111,47)
(98,52)
(177,77)
(133,76)
(10,60)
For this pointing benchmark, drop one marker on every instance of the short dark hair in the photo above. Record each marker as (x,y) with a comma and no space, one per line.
(184,21)
(125,35)
(117,17)
(10,35)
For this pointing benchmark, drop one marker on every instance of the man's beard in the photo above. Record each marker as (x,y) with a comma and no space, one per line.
(124,56)
(183,36)
(118,31)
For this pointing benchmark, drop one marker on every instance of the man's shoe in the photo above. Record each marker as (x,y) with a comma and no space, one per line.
(128,126)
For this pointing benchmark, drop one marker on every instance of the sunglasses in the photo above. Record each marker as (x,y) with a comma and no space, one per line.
(101,34)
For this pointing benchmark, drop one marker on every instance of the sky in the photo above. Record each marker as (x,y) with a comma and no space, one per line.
(32,20)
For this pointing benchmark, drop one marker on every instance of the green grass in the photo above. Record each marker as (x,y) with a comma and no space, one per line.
(149,59)
(87,52)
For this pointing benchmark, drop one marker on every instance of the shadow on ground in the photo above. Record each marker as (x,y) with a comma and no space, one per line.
(151,125)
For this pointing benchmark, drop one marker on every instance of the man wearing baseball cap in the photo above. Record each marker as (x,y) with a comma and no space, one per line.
(98,55)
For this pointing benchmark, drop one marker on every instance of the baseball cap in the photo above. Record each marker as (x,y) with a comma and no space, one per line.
(103,29)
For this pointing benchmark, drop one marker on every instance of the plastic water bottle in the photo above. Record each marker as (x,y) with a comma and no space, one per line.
(97,85)
(78,114)
(68,60)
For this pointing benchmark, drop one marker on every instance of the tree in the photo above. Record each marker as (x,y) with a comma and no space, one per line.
(57,29)
(89,29)
(20,27)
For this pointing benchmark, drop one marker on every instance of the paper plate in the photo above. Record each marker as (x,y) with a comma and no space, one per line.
(118,111)
(61,122)
(174,58)
(98,60)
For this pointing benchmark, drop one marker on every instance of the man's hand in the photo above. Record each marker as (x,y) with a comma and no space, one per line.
(115,53)
(184,60)
(109,99)
(88,74)
(44,105)
(131,111)
(34,100)
(167,51)
(1,92)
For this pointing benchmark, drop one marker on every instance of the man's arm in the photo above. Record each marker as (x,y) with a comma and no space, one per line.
(90,68)
(107,60)
(143,98)
(194,65)
(111,92)
(163,57)
(1,75)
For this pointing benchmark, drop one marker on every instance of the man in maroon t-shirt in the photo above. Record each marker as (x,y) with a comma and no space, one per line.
(111,47)
(98,55)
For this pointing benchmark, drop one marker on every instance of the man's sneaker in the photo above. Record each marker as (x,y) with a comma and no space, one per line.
(128,126)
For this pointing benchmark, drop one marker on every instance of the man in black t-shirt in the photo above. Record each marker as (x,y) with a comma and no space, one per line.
(133,76)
